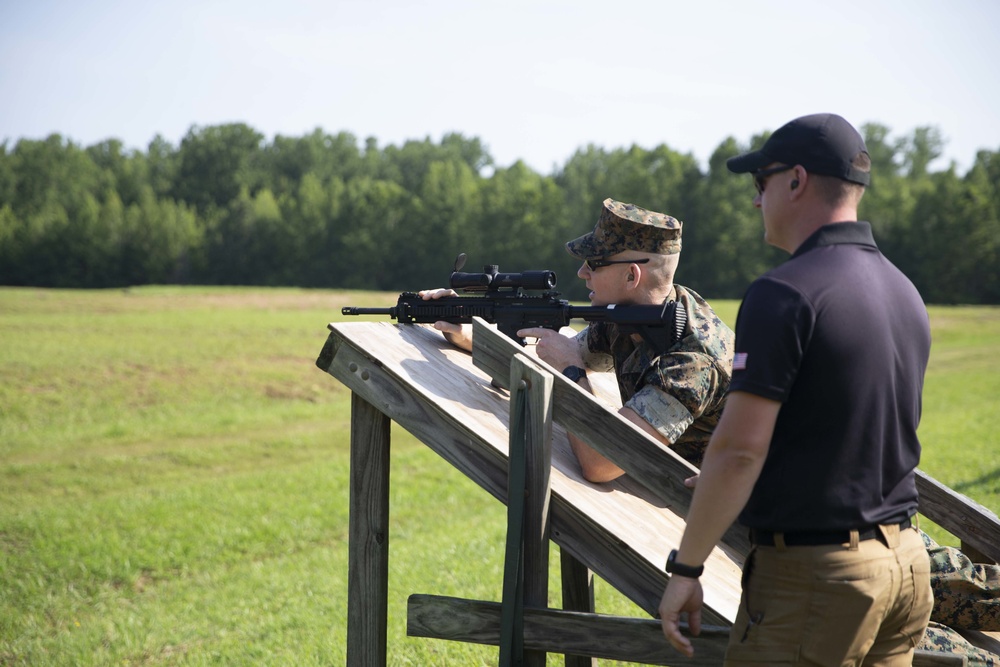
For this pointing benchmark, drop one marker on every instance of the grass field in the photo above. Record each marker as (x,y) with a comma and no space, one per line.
(174,480)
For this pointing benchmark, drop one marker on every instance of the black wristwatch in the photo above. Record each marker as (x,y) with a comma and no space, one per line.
(574,373)
(673,567)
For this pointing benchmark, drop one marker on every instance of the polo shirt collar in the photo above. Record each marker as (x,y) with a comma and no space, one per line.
(858,233)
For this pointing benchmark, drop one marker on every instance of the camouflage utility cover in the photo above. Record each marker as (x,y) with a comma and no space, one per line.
(680,391)
(624,227)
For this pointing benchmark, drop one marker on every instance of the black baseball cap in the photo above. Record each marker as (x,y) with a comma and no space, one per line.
(823,143)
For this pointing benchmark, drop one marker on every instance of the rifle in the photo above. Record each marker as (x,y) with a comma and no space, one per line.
(505,303)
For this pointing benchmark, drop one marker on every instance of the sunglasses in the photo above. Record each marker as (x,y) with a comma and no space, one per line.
(594,264)
(761,175)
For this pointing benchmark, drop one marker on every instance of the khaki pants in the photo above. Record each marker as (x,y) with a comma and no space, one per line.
(834,605)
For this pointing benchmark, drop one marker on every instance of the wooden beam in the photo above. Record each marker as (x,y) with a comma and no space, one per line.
(608,637)
(972,523)
(582,413)
(402,395)
(368,541)
(648,461)
(526,564)
(457,441)
(538,464)
(984,639)
(557,631)
(577,595)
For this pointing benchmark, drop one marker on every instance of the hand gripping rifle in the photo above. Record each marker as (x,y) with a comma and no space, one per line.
(504,303)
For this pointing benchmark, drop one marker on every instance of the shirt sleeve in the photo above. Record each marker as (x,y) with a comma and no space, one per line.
(675,390)
(663,412)
(773,329)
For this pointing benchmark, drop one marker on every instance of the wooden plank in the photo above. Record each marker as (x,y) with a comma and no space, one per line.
(635,577)
(984,639)
(530,437)
(538,463)
(648,461)
(452,434)
(577,584)
(608,637)
(619,529)
(582,413)
(577,595)
(557,631)
(974,554)
(633,567)
(969,521)
(368,536)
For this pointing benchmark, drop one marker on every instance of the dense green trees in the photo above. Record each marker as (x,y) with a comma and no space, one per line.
(228,207)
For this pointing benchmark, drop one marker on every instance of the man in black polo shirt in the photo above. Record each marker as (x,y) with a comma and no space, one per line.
(816,448)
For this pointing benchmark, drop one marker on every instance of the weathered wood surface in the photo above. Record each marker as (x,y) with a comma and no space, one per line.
(986,640)
(976,526)
(527,520)
(577,595)
(963,517)
(649,462)
(367,577)
(601,636)
(537,490)
(620,530)
(557,631)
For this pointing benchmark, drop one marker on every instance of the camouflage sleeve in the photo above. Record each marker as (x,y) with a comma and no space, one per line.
(592,352)
(966,594)
(663,412)
(691,378)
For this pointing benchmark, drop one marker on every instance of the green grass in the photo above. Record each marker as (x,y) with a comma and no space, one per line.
(174,480)
(962,402)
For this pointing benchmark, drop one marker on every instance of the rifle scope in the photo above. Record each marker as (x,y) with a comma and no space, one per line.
(491,280)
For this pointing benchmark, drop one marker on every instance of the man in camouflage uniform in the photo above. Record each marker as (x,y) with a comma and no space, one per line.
(675,394)
(966,597)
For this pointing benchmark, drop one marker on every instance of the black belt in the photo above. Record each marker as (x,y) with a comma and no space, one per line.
(815,538)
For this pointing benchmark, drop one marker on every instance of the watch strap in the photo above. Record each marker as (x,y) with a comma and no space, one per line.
(574,373)
(673,567)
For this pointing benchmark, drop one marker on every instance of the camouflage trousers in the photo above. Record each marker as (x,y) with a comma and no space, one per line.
(966,597)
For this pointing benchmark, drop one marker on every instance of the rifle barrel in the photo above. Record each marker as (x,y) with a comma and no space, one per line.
(355,310)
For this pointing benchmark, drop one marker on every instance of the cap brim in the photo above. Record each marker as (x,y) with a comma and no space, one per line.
(583,247)
(748,162)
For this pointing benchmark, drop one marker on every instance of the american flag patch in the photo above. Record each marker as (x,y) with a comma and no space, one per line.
(740,361)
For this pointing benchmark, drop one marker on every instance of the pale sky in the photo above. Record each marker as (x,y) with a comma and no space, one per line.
(533,80)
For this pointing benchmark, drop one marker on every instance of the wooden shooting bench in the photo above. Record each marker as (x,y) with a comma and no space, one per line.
(500,417)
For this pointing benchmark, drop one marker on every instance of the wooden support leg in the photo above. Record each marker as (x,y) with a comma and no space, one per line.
(577,595)
(526,567)
(974,554)
(368,547)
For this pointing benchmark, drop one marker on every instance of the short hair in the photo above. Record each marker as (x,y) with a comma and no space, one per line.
(836,191)
(663,267)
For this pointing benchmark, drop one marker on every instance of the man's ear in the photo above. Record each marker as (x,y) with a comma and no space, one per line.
(799,179)
(633,276)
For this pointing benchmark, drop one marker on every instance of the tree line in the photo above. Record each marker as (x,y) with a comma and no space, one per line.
(228,207)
